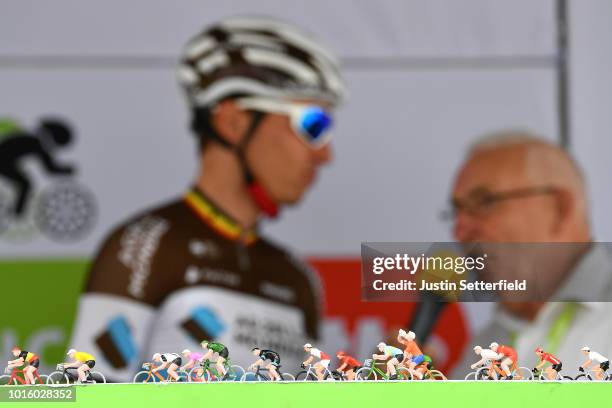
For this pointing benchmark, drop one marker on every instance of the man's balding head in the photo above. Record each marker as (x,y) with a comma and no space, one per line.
(545,192)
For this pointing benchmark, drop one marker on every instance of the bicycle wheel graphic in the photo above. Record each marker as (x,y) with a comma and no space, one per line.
(65,212)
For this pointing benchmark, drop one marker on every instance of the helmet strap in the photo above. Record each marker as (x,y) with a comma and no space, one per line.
(201,125)
(261,198)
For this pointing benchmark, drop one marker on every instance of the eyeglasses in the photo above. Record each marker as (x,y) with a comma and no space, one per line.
(310,122)
(481,201)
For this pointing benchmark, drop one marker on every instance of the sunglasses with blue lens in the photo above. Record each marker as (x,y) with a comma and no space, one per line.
(310,122)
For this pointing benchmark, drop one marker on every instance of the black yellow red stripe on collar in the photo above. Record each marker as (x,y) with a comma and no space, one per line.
(218,221)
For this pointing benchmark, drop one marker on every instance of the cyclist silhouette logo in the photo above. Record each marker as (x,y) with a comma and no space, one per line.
(63,212)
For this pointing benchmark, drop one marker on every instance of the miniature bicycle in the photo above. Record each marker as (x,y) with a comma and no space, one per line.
(495,372)
(432,374)
(541,375)
(337,375)
(260,375)
(590,376)
(207,372)
(370,372)
(69,376)
(147,375)
(15,379)
(309,374)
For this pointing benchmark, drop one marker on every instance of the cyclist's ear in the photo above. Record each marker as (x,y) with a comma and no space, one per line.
(230,121)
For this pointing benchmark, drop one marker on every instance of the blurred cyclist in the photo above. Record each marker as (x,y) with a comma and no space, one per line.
(261,95)
(348,365)
(192,358)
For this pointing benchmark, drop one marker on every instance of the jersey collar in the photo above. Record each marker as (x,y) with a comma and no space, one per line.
(212,215)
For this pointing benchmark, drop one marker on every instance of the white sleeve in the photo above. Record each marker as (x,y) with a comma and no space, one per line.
(116,330)
(490,354)
(595,356)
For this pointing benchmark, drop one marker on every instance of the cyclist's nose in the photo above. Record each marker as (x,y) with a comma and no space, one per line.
(322,155)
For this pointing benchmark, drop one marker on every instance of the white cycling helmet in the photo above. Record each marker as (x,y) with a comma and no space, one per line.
(492,345)
(381,344)
(186,351)
(307,345)
(410,335)
(258,56)
(401,333)
(585,348)
(70,352)
(156,356)
(477,348)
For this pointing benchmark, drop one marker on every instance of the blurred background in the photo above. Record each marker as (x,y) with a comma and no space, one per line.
(426,77)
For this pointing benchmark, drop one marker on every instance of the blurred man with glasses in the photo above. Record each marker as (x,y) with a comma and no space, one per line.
(516,188)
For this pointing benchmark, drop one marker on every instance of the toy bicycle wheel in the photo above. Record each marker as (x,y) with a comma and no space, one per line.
(182,376)
(523,373)
(287,377)
(97,377)
(305,376)
(210,376)
(403,374)
(590,376)
(483,374)
(144,377)
(366,374)
(196,374)
(333,375)
(5,380)
(435,375)
(252,376)
(41,379)
(234,373)
(558,377)
(58,377)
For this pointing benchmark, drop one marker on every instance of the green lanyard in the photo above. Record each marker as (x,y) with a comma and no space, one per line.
(558,329)
(560,326)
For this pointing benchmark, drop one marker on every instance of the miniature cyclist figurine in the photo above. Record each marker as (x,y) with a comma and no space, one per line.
(552,370)
(392,355)
(323,363)
(267,355)
(508,358)
(170,360)
(595,357)
(25,357)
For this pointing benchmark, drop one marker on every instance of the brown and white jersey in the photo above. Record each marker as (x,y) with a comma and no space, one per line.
(186,272)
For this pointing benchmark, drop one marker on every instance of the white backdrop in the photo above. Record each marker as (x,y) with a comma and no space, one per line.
(591,89)
(425,78)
